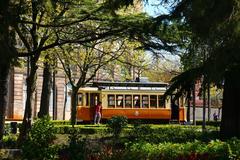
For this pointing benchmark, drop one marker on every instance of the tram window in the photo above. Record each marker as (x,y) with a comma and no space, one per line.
(128,101)
(111,101)
(87,102)
(120,101)
(153,101)
(161,102)
(136,99)
(145,101)
(80,100)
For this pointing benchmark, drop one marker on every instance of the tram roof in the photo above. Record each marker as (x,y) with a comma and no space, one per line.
(103,84)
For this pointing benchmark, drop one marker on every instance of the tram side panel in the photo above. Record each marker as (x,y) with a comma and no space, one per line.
(135,113)
(164,114)
(86,105)
(86,113)
(182,109)
(182,114)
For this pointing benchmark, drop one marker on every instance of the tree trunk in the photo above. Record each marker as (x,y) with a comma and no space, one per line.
(73,105)
(46,89)
(4,70)
(204,106)
(54,97)
(27,119)
(188,106)
(194,104)
(65,100)
(230,124)
(209,102)
(7,54)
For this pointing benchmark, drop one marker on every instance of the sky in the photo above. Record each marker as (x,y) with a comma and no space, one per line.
(153,8)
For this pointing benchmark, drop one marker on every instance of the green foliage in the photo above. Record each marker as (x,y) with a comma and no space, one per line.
(215,34)
(174,134)
(39,144)
(209,123)
(76,150)
(8,154)
(216,150)
(61,122)
(7,129)
(234,148)
(68,129)
(10,141)
(140,131)
(116,124)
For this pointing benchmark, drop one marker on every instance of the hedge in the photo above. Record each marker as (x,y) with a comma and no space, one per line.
(67,129)
(214,150)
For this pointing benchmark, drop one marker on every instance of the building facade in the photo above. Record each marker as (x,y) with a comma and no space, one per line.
(17,96)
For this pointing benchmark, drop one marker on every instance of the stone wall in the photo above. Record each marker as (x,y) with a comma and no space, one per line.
(19,95)
(18,99)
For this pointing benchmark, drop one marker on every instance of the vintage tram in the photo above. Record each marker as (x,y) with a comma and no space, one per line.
(135,100)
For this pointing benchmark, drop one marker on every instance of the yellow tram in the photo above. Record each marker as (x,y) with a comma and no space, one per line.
(135,100)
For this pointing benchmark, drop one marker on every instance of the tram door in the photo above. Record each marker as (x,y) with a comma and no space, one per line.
(94,99)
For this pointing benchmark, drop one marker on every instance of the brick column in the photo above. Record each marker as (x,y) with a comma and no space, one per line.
(18,101)
(60,84)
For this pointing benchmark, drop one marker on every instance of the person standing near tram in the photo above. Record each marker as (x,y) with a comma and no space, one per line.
(98,113)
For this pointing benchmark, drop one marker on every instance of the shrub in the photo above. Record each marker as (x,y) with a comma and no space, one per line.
(7,129)
(209,123)
(10,141)
(39,144)
(177,134)
(141,132)
(67,129)
(61,122)
(234,148)
(170,151)
(197,150)
(116,124)
(76,150)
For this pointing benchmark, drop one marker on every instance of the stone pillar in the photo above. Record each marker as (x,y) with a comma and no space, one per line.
(18,101)
(60,84)
(37,94)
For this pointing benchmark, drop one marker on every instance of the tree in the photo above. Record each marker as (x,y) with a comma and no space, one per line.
(46,87)
(8,56)
(48,24)
(34,28)
(81,64)
(223,62)
(131,64)
(43,25)
(163,69)
(215,23)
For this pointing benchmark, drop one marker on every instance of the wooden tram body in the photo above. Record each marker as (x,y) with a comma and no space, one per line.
(135,100)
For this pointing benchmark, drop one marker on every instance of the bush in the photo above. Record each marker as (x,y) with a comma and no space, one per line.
(67,129)
(116,124)
(177,134)
(10,141)
(39,144)
(76,148)
(209,123)
(141,132)
(214,150)
(7,129)
(61,122)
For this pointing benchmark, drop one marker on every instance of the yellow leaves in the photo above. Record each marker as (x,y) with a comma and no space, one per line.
(48,6)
